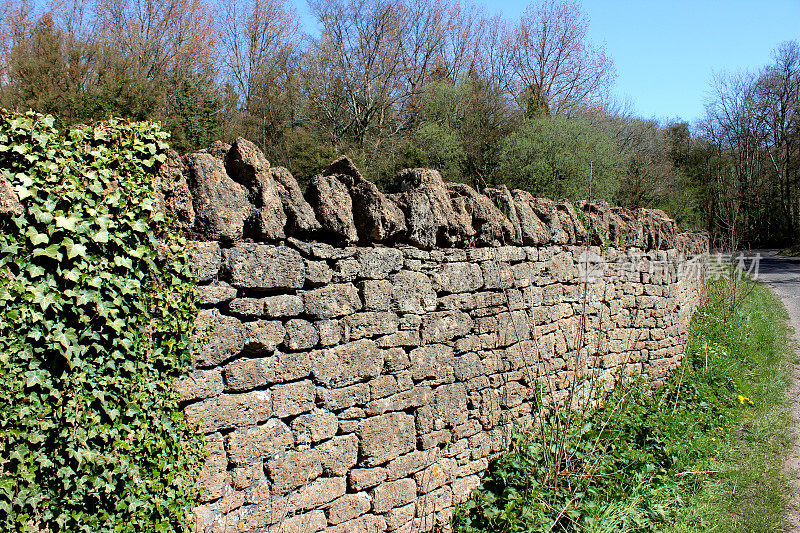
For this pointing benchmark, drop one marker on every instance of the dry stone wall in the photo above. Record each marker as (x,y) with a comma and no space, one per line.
(365,355)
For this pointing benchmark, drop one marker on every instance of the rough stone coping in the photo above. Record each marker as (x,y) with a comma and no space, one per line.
(230,193)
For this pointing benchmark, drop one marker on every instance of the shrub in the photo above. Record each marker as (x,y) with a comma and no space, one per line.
(96,310)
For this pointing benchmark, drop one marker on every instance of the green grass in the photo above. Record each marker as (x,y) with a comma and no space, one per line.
(702,453)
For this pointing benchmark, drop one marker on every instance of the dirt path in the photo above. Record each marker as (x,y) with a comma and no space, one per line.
(782,274)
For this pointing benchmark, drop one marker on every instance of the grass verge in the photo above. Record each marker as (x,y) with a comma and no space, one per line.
(704,452)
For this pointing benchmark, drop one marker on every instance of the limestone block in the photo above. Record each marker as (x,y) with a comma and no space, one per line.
(294,469)
(283,305)
(222,337)
(391,494)
(315,426)
(248,444)
(262,266)
(199,384)
(412,292)
(338,455)
(348,506)
(293,399)
(364,478)
(229,411)
(386,437)
(378,263)
(213,474)
(444,326)
(300,335)
(247,374)
(347,363)
(332,301)
(368,324)
(205,260)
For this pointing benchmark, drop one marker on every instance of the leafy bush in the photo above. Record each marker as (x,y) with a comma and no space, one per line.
(96,309)
(642,460)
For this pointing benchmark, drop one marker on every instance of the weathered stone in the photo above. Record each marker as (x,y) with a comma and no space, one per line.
(220,204)
(450,404)
(263,336)
(435,509)
(368,523)
(383,386)
(342,398)
(171,192)
(318,493)
(333,207)
(252,443)
(501,197)
(222,337)
(438,222)
(293,398)
(329,332)
(300,335)
(246,164)
(199,384)
(378,263)
(368,324)
(439,473)
(347,363)
(408,464)
(457,277)
(364,478)
(386,437)
(315,426)
(215,293)
(434,361)
(299,213)
(377,294)
(332,300)
(338,455)
(318,273)
(445,325)
(376,217)
(491,226)
(294,469)
(205,260)
(212,477)
(229,411)
(412,292)
(391,494)
(310,522)
(400,516)
(246,307)
(467,366)
(345,270)
(262,266)
(218,149)
(533,230)
(253,373)
(282,305)
(348,507)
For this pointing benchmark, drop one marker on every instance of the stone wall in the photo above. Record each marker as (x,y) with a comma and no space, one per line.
(365,355)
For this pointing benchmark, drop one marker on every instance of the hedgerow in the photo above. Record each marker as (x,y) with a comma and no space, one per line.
(96,311)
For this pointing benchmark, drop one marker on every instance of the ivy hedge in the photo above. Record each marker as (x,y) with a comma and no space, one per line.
(96,312)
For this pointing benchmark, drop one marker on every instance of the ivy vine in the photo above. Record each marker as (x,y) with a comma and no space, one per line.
(96,311)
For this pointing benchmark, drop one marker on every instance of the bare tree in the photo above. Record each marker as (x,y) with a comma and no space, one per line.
(551,65)
(778,93)
(354,70)
(157,36)
(261,41)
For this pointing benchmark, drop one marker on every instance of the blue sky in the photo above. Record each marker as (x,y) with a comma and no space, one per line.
(666,51)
